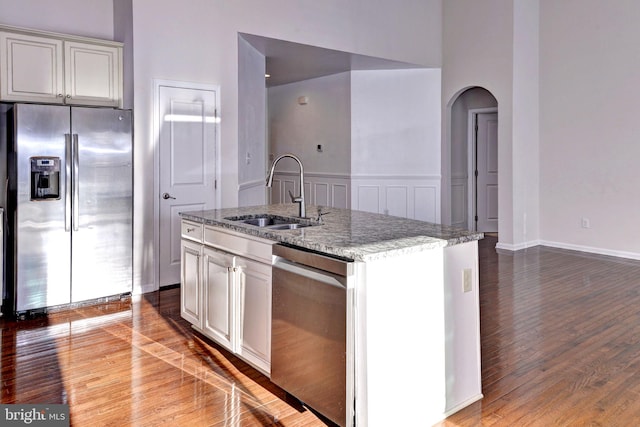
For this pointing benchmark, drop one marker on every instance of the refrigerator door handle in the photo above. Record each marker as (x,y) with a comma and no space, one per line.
(76,187)
(67,182)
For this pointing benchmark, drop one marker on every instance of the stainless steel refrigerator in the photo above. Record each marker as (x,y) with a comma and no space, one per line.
(70,204)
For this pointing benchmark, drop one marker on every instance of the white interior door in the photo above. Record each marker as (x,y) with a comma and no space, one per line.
(187,126)
(487,172)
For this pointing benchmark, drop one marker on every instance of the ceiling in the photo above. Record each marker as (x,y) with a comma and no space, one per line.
(288,62)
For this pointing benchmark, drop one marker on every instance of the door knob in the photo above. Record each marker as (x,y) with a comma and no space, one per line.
(168,196)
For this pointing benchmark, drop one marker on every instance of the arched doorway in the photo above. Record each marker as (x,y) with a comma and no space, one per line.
(473,160)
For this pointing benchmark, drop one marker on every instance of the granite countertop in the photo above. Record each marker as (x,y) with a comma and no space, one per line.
(356,235)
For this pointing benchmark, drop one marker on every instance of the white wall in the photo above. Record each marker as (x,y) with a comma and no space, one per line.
(589,126)
(252,133)
(526,122)
(294,128)
(325,120)
(395,142)
(197,41)
(89,18)
(477,51)
(123,32)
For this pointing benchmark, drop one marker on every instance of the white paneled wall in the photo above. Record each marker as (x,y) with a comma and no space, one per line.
(459,201)
(416,197)
(320,189)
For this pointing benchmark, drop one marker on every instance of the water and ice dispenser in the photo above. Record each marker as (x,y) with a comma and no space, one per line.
(45,178)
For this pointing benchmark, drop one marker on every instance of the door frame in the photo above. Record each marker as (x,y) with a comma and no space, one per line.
(472,118)
(157,83)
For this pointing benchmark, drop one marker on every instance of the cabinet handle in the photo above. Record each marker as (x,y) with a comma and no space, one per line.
(242,304)
(68,96)
(190,229)
(60,95)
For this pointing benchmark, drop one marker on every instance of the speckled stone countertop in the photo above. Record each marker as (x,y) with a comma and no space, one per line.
(356,235)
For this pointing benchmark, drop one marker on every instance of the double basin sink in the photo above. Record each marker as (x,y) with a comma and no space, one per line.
(273,222)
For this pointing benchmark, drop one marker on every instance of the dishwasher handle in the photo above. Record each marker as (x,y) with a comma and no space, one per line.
(284,268)
(340,267)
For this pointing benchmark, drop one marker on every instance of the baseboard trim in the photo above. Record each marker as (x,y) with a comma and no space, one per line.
(145,289)
(519,246)
(592,250)
(569,246)
(462,405)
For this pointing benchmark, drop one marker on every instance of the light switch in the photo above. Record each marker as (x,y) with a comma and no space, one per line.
(467,275)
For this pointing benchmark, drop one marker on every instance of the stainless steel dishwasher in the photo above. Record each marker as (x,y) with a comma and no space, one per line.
(311,347)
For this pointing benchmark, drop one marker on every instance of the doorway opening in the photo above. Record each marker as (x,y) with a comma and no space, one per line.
(474,161)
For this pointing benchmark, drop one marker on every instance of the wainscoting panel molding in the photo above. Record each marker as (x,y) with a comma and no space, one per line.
(320,189)
(416,197)
(321,193)
(397,201)
(368,198)
(459,199)
(426,204)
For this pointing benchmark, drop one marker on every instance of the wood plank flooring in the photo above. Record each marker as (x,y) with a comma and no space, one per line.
(137,363)
(560,347)
(560,340)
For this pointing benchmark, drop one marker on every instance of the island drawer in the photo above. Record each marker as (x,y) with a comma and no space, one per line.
(191,230)
(239,244)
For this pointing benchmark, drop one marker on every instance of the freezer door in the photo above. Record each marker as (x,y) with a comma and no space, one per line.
(102,202)
(42,245)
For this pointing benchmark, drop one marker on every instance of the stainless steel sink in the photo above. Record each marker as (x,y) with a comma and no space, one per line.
(265,222)
(273,222)
(288,226)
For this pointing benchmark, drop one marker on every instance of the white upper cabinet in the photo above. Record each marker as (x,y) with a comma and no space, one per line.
(32,68)
(92,74)
(51,68)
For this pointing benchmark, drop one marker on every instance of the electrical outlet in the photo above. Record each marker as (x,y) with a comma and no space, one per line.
(467,275)
(586,223)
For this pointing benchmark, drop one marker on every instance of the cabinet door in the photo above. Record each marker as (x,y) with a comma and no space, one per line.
(254,294)
(191,286)
(218,283)
(92,74)
(31,68)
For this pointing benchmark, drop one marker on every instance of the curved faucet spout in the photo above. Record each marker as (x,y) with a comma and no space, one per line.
(300,198)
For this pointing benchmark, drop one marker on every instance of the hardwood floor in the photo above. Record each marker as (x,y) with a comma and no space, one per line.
(137,363)
(560,340)
(560,347)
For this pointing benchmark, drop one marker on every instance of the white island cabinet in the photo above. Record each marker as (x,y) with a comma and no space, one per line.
(413,324)
(226,290)
(53,68)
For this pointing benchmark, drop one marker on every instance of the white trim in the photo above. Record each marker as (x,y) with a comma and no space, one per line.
(314,175)
(462,405)
(592,250)
(518,247)
(472,118)
(251,184)
(400,177)
(157,83)
(143,289)
(571,247)
(68,37)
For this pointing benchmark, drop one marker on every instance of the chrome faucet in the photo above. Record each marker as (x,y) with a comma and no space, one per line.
(300,198)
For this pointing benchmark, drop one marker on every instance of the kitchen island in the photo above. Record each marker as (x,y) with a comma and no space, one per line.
(413,321)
